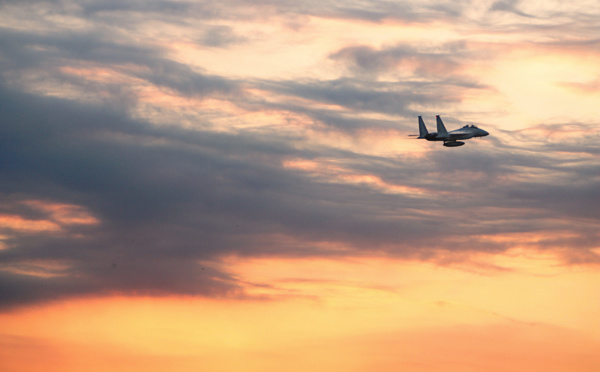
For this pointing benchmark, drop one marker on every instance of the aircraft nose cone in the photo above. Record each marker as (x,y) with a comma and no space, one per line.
(484,133)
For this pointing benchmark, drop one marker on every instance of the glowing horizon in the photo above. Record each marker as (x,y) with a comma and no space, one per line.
(347,307)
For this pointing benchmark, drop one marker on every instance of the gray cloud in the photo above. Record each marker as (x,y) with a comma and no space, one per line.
(220,36)
(364,95)
(152,6)
(170,200)
(165,206)
(393,98)
(441,63)
(508,6)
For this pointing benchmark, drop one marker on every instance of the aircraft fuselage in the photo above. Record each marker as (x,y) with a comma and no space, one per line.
(457,134)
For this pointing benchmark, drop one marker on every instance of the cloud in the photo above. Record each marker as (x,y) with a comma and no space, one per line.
(508,6)
(26,51)
(359,95)
(160,205)
(168,199)
(92,123)
(368,59)
(153,6)
(445,64)
(220,36)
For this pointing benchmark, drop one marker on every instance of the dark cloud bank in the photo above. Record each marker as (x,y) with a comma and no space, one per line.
(169,200)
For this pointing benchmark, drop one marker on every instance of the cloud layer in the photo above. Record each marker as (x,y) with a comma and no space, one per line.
(128,166)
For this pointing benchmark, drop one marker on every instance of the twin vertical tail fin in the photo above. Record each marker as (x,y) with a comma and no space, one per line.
(422,128)
(441,129)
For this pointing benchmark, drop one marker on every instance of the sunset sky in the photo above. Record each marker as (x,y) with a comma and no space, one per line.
(230,186)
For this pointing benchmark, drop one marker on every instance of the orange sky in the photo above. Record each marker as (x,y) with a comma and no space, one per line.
(230,186)
(531,313)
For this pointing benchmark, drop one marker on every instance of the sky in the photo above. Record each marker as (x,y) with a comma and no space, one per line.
(231,186)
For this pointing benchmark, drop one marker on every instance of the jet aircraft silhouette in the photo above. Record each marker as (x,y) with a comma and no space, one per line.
(450,138)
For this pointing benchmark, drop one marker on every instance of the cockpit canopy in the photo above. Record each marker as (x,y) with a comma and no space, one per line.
(470,126)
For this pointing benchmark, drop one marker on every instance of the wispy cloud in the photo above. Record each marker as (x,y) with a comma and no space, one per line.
(174,165)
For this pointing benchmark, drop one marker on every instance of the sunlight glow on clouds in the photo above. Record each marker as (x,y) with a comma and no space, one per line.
(230,186)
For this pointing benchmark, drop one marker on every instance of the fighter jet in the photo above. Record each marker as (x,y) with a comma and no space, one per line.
(449,138)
